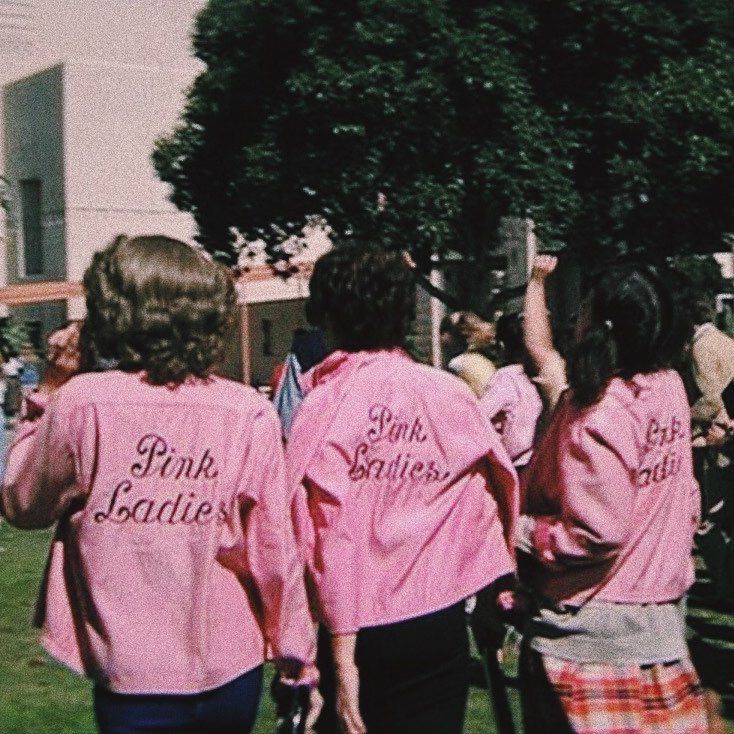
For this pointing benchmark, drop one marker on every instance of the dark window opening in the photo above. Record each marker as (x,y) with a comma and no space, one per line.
(30,197)
(267,326)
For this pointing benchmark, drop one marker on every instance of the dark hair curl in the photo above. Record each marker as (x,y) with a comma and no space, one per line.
(510,336)
(512,339)
(156,304)
(633,324)
(365,294)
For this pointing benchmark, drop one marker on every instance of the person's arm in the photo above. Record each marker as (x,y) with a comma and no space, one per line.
(40,477)
(536,321)
(712,374)
(40,472)
(538,334)
(598,497)
(274,563)
(343,649)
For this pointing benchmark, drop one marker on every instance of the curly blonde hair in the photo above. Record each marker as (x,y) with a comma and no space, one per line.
(157,305)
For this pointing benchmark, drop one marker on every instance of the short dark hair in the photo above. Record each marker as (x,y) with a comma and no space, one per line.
(366,294)
(634,326)
(309,347)
(452,326)
(156,304)
(510,336)
(703,306)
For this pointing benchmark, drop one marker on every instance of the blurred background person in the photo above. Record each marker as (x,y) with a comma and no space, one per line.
(29,371)
(466,339)
(712,363)
(511,400)
(308,348)
(710,369)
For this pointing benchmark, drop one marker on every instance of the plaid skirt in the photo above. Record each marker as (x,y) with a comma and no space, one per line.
(568,697)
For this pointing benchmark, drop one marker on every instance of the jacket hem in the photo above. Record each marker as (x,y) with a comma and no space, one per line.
(184,687)
(450,600)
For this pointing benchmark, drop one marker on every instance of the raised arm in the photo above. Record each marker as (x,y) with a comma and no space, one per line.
(536,322)
(550,365)
(40,476)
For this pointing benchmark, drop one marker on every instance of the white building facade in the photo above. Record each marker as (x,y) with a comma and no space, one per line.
(88,86)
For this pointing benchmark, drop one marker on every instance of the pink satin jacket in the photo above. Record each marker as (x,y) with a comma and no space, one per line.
(408,495)
(613,496)
(174,562)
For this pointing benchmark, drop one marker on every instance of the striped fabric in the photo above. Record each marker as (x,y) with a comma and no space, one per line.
(628,699)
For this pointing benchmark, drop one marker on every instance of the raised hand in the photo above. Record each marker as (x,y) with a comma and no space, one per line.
(64,357)
(543,266)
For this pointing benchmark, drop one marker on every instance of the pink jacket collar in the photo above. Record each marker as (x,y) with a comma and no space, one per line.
(340,365)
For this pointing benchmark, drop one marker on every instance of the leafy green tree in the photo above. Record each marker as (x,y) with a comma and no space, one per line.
(421,123)
(703,274)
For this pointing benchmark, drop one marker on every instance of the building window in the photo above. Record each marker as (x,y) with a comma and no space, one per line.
(31,210)
(267,325)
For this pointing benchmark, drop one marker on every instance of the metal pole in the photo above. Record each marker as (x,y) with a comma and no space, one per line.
(437,313)
(245,349)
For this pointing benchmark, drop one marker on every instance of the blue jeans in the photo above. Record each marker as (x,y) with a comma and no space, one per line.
(229,709)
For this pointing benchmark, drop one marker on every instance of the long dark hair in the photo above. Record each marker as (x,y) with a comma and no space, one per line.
(631,324)
(510,336)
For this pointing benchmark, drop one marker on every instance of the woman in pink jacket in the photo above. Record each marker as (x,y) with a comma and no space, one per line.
(610,509)
(174,566)
(408,500)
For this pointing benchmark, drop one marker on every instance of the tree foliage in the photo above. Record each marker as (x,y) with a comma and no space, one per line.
(13,335)
(610,123)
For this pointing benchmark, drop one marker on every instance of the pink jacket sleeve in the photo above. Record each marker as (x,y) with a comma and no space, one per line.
(338,601)
(597,495)
(40,475)
(273,560)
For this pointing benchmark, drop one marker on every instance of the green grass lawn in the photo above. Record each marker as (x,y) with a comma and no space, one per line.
(39,697)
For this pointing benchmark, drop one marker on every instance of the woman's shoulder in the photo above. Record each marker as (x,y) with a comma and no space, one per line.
(115,385)
(474,362)
(661,386)
(438,382)
(627,404)
(88,385)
